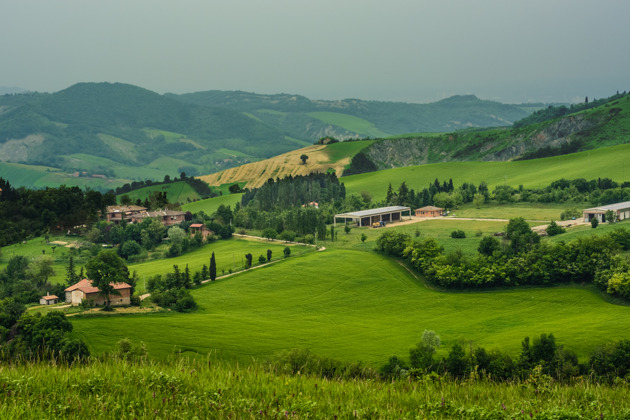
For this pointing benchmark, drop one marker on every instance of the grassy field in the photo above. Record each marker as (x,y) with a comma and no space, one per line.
(353,305)
(183,389)
(612,162)
(229,254)
(176,192)
(529,211)
(210,205)
(343,150)
(349,122)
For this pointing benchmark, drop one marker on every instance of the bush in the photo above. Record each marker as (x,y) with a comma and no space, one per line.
(458,234)
(262,259)
(594,222)
(286,252)
(553,229)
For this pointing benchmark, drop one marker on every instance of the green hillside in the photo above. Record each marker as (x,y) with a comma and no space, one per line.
(353,305)
(309,119)
(611,162)
(130,127)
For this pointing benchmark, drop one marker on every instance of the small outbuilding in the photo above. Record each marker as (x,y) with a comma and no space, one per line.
(620,210)
(200,228)
(375,216)
(49,300)
(430,211)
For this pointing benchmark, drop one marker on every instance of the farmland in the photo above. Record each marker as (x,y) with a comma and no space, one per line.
(353,305)
(611,162)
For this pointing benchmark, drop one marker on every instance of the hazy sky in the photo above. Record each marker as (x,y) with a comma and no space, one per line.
(410,50)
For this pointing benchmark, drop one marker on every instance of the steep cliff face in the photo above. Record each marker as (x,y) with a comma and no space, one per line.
(486,145)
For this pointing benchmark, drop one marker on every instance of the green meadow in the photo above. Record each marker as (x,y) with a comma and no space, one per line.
(357,306)
(612,162)
(210,205)
(349,122)
(176,192)
(229,254)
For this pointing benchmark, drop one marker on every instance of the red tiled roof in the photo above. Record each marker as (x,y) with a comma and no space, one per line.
(50,297)
(430,208)
(85,286)
(196,225)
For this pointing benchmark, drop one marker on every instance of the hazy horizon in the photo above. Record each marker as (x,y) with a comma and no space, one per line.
(404,50)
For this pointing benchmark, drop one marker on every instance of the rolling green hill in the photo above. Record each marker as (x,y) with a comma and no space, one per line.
(354,305)
(129,127)
(612,162)
(353,118)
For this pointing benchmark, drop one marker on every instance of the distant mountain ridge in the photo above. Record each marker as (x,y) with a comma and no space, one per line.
(305,118)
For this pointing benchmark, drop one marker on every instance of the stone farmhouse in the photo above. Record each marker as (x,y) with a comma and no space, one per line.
(49,300)
(84,290)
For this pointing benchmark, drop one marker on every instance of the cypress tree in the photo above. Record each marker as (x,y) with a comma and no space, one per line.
(213,268)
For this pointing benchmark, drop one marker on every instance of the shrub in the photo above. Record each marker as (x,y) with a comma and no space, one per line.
(458,234)
(286,252)
(553,229)
(594,222)
(262,259)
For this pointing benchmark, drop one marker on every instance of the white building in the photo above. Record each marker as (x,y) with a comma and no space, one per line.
(621,211)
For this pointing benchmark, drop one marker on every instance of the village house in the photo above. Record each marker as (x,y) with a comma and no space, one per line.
(166,217)
(49,300)
(84,290)
(430,211)
(136,214)
(129,214)
(200,228)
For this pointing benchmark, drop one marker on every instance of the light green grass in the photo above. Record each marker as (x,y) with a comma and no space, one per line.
(33,248)
(176,192)
(612,162)
(350,123)
(529,211)
(185,389)
(342,150)
(229,254)
(122,147)
(353,305)
(210,205)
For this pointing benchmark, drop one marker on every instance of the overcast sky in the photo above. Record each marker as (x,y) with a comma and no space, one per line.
(409,50)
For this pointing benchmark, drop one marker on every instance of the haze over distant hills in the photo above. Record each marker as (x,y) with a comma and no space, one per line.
(124,131)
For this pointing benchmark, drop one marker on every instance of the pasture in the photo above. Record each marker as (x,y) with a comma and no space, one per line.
(362,127)
(357,306)
(611,162)
(210,205)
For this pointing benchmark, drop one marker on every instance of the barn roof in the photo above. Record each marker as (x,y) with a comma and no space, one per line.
(615,206)
(86,286)
(374,212)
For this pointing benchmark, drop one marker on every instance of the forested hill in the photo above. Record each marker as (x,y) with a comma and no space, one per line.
(131,126)
(353,118)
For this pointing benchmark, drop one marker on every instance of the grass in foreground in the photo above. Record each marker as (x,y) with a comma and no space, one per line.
(182,389)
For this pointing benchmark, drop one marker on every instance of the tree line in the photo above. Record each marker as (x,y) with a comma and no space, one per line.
(25,212)
(521,259)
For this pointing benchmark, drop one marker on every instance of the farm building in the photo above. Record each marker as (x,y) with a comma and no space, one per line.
(430,211)
(84,290)
(200,228)
(129,214)
(372,216)
(620,210)
(49,300)
(136,214)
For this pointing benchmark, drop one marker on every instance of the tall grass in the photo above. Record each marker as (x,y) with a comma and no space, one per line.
(183,389)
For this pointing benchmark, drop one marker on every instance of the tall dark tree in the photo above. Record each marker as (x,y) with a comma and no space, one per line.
(71,277)
(268,255)
(213,268)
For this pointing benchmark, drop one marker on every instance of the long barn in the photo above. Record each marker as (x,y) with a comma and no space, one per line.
(371,216)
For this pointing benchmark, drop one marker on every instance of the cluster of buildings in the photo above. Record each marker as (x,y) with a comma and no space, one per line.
(136,214)
(84,290)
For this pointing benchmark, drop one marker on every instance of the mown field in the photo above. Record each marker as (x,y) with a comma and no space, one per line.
(611,162)
(358,306)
